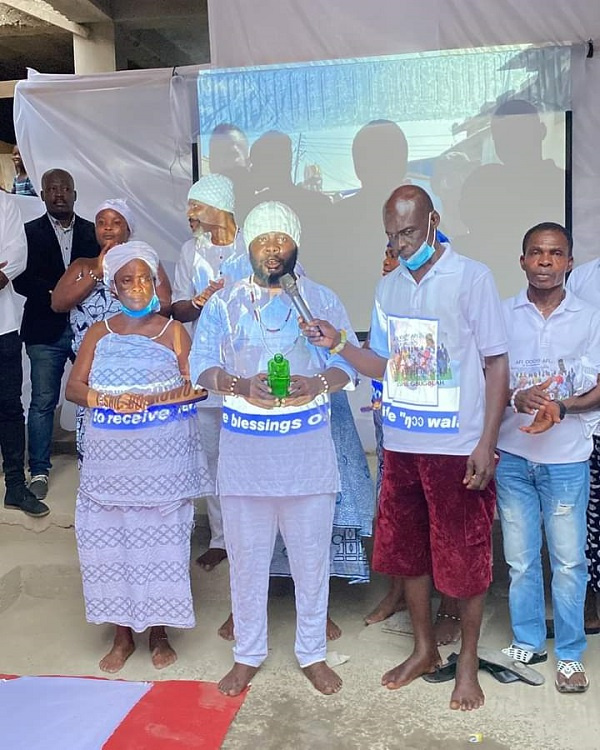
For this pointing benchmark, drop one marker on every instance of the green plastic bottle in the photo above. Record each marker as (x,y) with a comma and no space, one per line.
(278,376)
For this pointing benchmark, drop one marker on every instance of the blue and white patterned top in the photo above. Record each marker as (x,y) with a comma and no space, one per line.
(98,305)
(159,462)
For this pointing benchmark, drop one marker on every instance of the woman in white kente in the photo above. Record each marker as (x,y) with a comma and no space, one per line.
(277,463)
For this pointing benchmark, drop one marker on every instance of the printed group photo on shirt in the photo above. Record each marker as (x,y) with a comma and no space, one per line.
(230,385)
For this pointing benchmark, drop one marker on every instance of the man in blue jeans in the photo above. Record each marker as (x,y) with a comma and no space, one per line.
(543,473)
(54,240)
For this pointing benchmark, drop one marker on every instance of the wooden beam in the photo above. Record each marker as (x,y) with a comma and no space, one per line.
(45,12)
(7,89)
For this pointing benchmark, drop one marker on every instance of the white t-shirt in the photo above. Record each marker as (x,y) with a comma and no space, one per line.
(276,452)
(435,335)
(566,347)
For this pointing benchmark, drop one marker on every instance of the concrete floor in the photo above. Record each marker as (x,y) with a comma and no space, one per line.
(43,631)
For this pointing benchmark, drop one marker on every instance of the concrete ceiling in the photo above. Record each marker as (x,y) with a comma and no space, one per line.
(148,33)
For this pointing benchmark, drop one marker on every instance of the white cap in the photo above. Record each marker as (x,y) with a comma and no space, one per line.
(271,217)
(214,190)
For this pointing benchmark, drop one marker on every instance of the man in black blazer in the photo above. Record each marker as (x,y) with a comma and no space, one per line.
(54,240)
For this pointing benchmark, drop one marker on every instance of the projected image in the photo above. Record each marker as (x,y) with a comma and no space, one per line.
(332,140)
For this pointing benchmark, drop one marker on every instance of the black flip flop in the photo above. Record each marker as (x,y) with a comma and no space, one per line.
(498,673)
(443,673)
(447,671)
(550,630)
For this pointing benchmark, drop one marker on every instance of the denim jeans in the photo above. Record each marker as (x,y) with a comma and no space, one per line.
(557,494)
(12,422)
(47,368)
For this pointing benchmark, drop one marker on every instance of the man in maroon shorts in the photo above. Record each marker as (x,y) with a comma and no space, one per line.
(438,340)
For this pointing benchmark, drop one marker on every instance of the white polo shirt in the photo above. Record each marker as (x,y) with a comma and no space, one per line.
(13,250)
(435,335)
(564,346)
(584,282)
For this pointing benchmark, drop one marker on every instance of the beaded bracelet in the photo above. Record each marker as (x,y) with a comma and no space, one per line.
(234,381)
(511,403)
(97,279)
(323,380)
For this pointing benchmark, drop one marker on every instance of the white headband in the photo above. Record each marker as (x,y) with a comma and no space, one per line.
(120,206)
(120,255)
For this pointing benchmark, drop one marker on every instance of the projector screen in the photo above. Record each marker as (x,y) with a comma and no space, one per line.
(484,132)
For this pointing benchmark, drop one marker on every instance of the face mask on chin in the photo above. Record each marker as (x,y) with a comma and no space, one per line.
(422,255)
(152,307)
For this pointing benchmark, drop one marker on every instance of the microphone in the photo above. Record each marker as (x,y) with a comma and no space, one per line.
(290,287)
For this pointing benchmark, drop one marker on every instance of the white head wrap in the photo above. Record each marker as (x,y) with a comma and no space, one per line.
(214,190)
(120,206)
(120,255)
(271,217)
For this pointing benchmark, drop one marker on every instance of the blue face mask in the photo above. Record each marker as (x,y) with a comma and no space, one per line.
(152,307)
(422,255)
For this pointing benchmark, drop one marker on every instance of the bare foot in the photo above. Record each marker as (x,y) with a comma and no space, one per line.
(161,653)
(123,647)
(392,602)
(211,558)
(323,678)
(577,683)
(237,679)
(416,665)
(467,694)
(333,630)
(226,629)
(446,629)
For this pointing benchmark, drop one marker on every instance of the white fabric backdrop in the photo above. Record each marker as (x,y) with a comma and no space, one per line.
(276,31)
(121,136)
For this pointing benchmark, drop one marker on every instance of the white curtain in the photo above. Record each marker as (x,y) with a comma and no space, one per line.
(121,135)
(275,31)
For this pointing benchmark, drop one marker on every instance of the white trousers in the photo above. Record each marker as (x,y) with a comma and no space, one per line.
(251,525)
(210,430)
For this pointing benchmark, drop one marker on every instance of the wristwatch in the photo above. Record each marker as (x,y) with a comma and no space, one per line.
(562,410)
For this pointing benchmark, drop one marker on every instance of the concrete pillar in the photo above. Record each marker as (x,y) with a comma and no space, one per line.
(96,54)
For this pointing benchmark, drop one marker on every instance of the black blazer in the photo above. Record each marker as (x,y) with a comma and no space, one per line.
(45,266)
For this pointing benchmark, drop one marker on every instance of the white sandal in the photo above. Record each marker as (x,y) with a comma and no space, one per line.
(527,657)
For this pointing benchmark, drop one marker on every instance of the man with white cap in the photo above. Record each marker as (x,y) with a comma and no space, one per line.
(215,255)
(277,462)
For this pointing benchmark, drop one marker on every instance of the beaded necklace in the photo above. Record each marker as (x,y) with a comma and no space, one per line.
(263,328)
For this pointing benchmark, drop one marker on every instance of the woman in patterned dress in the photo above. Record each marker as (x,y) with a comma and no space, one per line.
(142,466)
